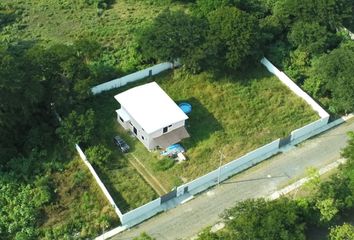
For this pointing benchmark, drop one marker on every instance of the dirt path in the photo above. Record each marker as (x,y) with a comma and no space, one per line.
(149,178)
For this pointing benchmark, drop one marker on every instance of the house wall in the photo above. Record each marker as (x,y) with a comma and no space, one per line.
(147,141)
(174,126)
(125,125)
(140,132)
(159,132)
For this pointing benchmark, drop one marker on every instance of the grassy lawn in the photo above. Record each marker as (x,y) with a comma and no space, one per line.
(233,113)
(54,21)
(127,187)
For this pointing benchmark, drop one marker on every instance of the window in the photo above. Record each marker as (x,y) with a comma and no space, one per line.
(121,119)
(142,137)
(135,131)
(164,130)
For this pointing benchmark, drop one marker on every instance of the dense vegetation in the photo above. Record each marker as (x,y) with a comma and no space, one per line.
(37,85)
(229,34)
(51,52)
(328,206)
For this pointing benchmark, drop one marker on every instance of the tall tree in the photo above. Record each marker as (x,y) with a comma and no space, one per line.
(343,232)
(77,128)
(312,37)
(172,35)
(260,219)
(332,77)
(329,13)
(233,37)
(204,7)
(33,79)
(20,97)
(64,72)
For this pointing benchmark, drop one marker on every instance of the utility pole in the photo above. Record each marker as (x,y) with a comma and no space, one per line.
(220,162)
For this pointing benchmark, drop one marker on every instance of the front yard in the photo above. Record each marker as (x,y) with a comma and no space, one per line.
(233,114)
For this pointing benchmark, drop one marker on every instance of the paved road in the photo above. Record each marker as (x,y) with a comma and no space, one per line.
(185,221)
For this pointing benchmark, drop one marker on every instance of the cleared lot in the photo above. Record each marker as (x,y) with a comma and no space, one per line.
(231,113)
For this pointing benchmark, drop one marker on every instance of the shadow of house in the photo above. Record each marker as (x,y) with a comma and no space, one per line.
(201,123)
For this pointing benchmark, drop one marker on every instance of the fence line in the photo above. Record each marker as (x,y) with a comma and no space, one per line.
(99,182)
(308,129)
(226,171)
(296,89)
(119,82)
(229,169)
(146,211)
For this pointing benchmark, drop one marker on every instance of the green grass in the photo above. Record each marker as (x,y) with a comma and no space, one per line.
(78,205)
(127,187)
(233,113)
(64,21)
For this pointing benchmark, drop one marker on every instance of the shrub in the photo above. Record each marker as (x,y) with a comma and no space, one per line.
(163,164)
(77,128)
(98,155)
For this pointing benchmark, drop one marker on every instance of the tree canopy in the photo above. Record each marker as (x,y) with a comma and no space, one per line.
(260,219)
(310,37)
(343,232)
(172,35)
(331,13)
(35,82)
(333,77)
(233,37)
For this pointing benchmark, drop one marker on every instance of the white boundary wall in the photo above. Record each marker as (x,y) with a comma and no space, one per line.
(146,211)
(227,170)
(98,180)
(293,87)
(119,82)
(308,129)
(200,184)
(250,159)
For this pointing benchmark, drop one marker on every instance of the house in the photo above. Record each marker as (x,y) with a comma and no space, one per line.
(153,117)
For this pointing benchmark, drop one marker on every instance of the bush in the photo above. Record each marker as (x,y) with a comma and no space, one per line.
(99,155)
(20,208)
(163,164)
(77,128)
(144,236)
(345,231)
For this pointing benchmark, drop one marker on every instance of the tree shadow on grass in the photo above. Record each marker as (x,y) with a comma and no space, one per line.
(7,17)
(246,76)
(201,123)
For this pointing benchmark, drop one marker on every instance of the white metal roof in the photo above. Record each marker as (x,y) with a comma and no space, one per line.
(150,107)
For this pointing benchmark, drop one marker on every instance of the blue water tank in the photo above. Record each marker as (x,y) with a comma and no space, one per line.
(185,107)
